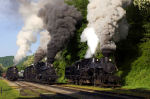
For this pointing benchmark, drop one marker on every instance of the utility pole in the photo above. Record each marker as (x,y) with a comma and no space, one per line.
(1,91)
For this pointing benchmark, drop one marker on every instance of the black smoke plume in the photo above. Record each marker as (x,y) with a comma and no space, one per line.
(60,20)
(39,55)
(42,50)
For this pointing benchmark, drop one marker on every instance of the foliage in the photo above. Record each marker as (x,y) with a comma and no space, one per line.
(1,69)
(6,61)
(140,68)
(144,7)
(26,62)
(29,61)
(132,54)
(60,65)
(142,4)
(81,5)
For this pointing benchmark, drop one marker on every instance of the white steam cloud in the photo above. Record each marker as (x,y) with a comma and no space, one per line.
(92,41)
(33,25)
(106,24)
(44,39)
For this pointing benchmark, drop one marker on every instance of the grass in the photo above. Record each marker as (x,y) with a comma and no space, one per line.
(7,92)
(145,93)
(12,92)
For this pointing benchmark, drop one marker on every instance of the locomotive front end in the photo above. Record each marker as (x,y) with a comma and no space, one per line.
(107,62)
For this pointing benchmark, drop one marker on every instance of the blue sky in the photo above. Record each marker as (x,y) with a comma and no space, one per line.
(10,24)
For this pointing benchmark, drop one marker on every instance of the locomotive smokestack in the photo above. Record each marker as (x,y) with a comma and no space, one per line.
(40,53)
(107,52)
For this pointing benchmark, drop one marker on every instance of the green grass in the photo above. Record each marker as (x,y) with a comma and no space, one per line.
(145,93)
(8,92)
(139,75)
(12,93)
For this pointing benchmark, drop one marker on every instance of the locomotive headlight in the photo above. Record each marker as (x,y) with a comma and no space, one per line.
(110,60)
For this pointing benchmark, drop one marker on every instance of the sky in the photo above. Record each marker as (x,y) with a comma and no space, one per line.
(10,25)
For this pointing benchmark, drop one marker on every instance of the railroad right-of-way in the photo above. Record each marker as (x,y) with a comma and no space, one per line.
(62,92)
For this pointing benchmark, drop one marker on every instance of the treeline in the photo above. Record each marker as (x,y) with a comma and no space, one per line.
(6,61)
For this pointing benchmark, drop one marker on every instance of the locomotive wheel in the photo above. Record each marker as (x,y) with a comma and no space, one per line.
(80,82)
(76,82)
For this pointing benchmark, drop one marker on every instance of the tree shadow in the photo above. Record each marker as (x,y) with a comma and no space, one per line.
(7,89)
(49,96)
(127,50)
(137,93)
(28,98)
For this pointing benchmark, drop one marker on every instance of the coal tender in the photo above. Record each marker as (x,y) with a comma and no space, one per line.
(94,71)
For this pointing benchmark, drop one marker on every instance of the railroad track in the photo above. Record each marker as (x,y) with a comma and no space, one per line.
(75,93)
(26,86)
(47,95)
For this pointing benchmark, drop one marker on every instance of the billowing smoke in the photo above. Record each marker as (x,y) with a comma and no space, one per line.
(33,25)
(107,24)
(60,20)
(42,50)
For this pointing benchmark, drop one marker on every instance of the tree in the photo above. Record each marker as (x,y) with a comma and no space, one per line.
(1,69)
(29,61)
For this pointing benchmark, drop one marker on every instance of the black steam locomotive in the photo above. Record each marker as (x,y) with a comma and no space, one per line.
(12,73)
(94,71)
(91,71)
(40,73)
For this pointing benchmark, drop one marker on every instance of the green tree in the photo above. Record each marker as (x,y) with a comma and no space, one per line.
(26,62)
(1,69)
(29,61)
(6,61)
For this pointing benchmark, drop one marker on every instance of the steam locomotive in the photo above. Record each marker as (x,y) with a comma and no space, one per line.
(91,71)
(12,73)
(40,73)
